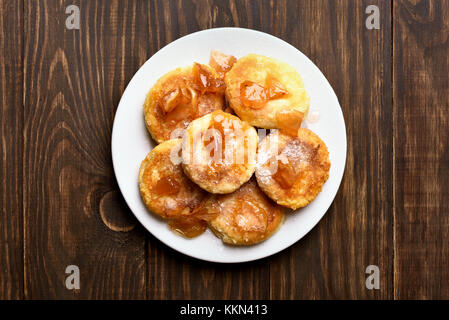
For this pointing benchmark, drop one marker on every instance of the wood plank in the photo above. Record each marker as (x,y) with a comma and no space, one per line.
(11,146)
(173,275)
(73,82)
(421,139)
(330,262)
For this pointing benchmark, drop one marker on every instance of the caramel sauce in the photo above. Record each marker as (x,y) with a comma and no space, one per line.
(166,186)
(207,210)
(250,216)
(255,96)
(188,226)
(286,175)
(218,126)
(182,112)
(289,121)
(221,62)
(205,81)
(195,224)
(298,154)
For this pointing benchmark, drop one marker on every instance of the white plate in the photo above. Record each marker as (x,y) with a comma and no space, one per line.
(131,142)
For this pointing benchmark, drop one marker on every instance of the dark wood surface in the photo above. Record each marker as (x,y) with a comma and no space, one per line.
(421,138)
(61,204)
(11,149)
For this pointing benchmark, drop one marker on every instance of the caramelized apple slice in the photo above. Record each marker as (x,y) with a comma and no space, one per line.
(189,95)
(275,89)
(221,62)
(205,81)
(171,100)
(253,95)
(286,175)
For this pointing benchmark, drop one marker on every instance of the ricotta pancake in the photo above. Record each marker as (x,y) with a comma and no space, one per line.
(244,217)
(181,96)
(165,189)
(292,170)
(264,91)
(219,152)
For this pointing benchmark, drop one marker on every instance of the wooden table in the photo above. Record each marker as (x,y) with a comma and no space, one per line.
(60,201)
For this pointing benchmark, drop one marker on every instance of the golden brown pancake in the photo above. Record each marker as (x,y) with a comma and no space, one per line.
(165,189)
(244,217)
(259,88)
(219,152)
(292,170)
(181,96)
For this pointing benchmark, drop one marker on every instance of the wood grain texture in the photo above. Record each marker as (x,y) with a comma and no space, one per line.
(421,138)
(73,83)
(61,204)
(356,231)
(11,148)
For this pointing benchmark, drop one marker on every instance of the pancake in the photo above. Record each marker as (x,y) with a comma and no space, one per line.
(219,152)
(165,189)
(181,96)
(263,91)
(292,170)
(244,217)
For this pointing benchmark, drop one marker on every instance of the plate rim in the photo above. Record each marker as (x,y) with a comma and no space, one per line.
(283,246)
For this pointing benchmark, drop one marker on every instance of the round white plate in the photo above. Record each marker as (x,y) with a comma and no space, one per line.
(131,142)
